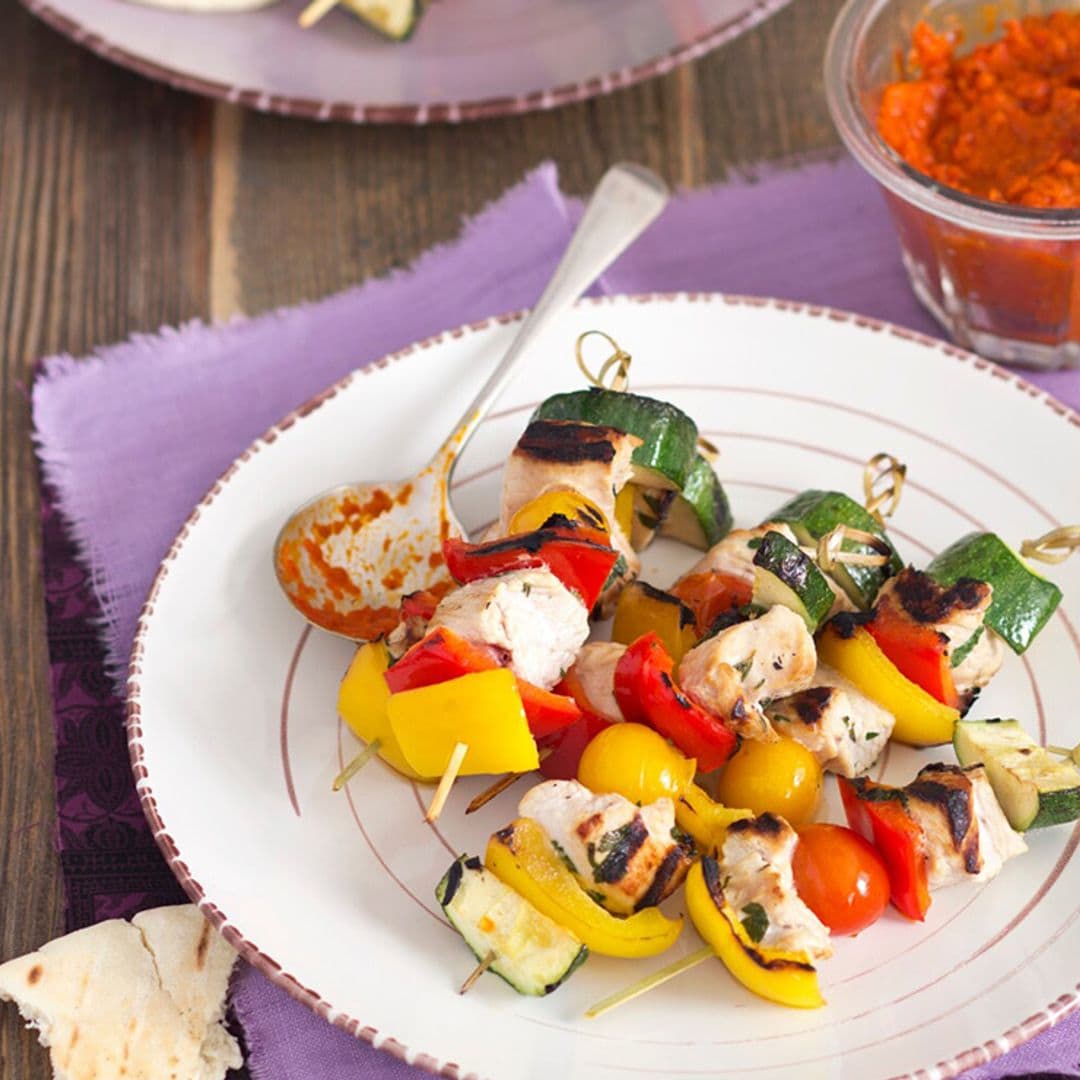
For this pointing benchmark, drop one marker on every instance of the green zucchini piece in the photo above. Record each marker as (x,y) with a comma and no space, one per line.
(532,952)
(785,575)
(1023,600)
(1034,787)
(814,513)
(669,436)
(701,514)
(395,19)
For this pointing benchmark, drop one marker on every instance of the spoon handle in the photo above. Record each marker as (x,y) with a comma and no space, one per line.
(626,201)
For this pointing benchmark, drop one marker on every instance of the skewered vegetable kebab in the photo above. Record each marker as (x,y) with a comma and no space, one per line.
(761,565)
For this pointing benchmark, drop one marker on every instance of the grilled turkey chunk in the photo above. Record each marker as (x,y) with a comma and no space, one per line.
(623,855)
(755,868)
(967,834)
(530,614)
(731,673)
(561,455)
(838,724)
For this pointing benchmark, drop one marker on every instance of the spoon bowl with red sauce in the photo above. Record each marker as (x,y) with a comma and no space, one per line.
(347,557)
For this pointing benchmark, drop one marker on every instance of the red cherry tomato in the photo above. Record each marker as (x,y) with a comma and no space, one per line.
(840,877)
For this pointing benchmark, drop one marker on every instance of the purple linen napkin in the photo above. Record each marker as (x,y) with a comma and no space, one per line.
(132,437)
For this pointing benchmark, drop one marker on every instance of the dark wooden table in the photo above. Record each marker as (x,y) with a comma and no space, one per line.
(125,206)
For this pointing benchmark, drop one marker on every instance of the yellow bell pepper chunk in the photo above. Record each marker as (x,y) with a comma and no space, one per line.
(564,502)
(362,704)
(482,710)
(624,510)
(522,857)
(704,818)
(641,609)
(788,978)
(921,720)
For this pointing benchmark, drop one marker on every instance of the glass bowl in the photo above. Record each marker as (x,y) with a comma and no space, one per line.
(1002,280)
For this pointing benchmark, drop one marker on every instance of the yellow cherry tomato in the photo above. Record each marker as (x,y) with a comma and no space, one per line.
(562,502)
(635,762)
(782,777)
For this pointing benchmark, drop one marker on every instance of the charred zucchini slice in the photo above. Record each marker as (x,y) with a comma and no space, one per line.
(1023,600)
(700,515)
(396,19)
(532,952)
(814,513)
(1034,787)
(669,437)
(783,574)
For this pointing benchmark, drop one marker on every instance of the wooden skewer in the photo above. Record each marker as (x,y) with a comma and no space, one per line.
(1053,547)
(830,551)
(315,11)
(500,785)
(1073,755)
(883,467)
(357,764)
(650,982)
(442,792)
(477,971)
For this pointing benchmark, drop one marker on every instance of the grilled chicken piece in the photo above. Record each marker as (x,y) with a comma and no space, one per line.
(967,835)
(732,673)
(755,868)
(623,855)
(956,612)
(734,556)
(838,724)
(565,455)
(530,614)
(595,671)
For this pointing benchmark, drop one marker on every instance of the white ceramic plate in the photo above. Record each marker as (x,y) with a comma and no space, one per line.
(235,739)
(468,58)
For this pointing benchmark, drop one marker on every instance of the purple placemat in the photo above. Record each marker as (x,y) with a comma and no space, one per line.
(131,438)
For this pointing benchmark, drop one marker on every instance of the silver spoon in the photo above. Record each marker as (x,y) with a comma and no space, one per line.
(346,558)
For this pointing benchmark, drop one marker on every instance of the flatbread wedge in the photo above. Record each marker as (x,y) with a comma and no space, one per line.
(139,1001)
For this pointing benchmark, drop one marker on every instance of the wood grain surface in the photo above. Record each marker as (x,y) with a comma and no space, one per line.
(125,206)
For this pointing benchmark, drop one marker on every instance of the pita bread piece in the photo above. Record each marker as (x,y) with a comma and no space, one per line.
(99,1004)
(194,963)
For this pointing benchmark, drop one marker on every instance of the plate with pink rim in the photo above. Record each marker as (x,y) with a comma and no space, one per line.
(468,59)
(235,741)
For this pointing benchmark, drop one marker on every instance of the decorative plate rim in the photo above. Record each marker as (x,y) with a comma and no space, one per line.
(407,112)
(1015,1036)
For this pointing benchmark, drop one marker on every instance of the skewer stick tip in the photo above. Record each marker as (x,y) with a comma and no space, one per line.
(442,792)
(314,12)
(356,764)
(476,972)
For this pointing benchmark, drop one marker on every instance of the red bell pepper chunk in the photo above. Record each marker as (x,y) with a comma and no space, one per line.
(566,747)
(646,692)
(917,651)
(581,559)
(711,594)
(877,812)
(419,605)
(443,655)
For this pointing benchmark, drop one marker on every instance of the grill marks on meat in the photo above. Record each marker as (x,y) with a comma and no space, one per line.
(755,868)
(956,612)
(967,836)
(732,673)
(566,455)
(568,441)
(623,855)
(926,601)
(838,724)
